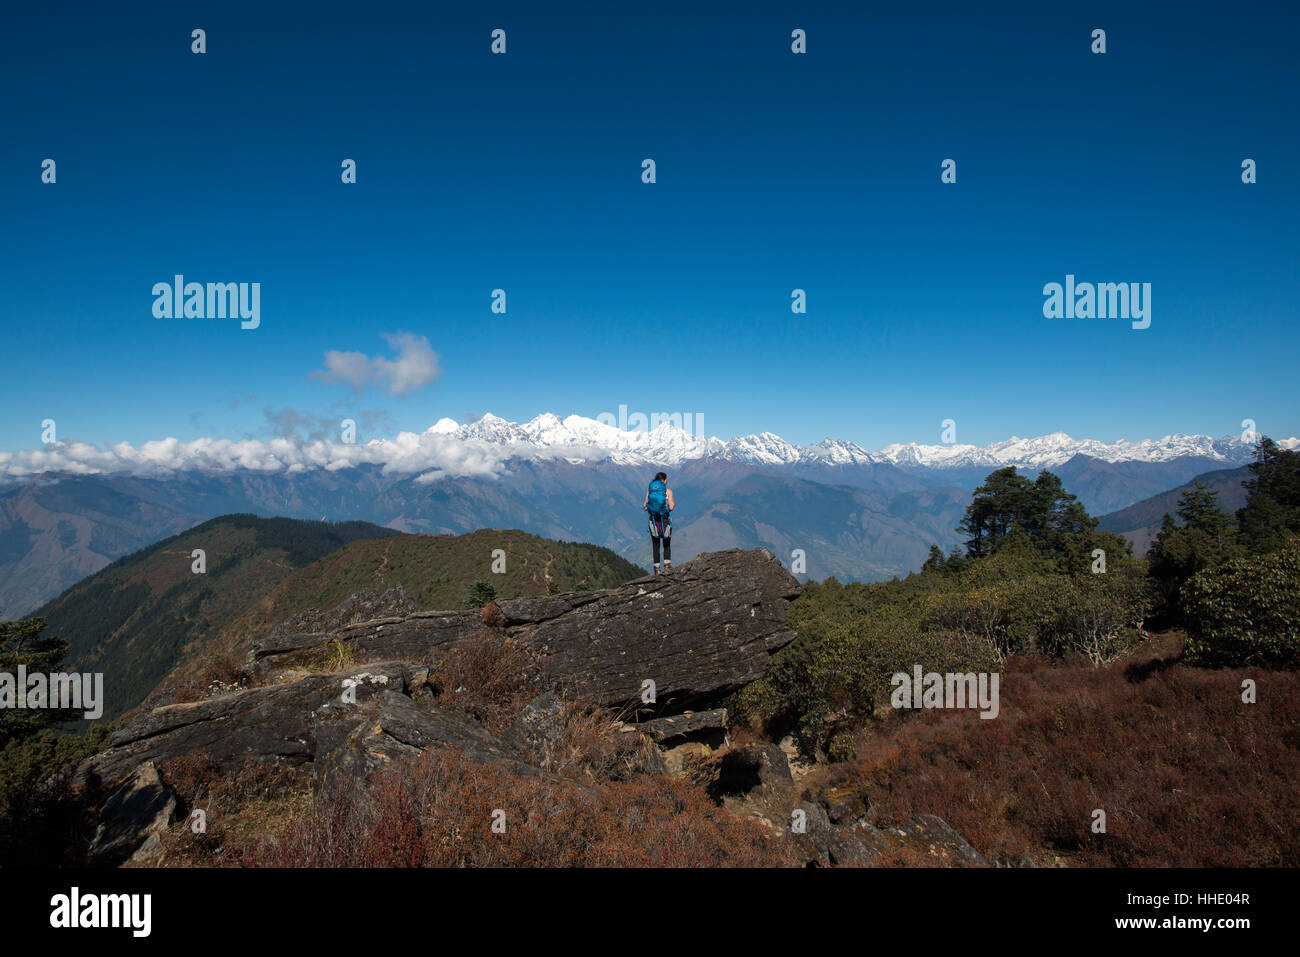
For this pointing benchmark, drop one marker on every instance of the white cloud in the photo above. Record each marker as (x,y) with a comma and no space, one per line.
(433,454)
(415,367)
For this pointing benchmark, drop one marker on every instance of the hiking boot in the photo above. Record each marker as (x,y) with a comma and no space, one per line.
(656,568)
(667,564)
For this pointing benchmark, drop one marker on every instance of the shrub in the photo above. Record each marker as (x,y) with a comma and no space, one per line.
(1097,616)
(41,813)
(488,678)
(590,745)
(237,807)
(1246,612)
(841,667)
(1002,616)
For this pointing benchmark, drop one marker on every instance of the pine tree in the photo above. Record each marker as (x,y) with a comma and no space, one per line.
(1272,510)
(22,643)
(1202,538)
(479,594)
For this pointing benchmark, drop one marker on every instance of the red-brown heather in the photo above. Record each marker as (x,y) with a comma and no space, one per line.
(1187,773)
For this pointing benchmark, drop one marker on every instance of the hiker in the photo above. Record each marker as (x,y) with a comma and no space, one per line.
(659,503)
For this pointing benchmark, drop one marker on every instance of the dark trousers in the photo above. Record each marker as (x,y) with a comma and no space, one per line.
(668,547)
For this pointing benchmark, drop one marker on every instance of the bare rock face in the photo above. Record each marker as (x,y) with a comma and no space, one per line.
(703,629)
(355,741)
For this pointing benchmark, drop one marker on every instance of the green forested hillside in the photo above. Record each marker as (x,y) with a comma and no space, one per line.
(136,618)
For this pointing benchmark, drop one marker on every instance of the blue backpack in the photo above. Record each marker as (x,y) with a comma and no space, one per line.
(658,503)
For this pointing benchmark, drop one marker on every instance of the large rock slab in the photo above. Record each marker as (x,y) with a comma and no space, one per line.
(699,631)
(275,723)
(134,813)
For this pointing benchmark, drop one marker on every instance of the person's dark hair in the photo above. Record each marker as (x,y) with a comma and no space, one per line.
(661,477)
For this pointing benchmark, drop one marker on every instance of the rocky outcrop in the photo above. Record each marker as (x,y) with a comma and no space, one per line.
(703,629)
(822,843)
(708,627)
(355,741)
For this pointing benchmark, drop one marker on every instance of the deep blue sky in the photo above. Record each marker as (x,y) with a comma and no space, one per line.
(775,171)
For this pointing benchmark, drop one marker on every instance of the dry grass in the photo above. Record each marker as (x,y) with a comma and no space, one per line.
(487,677)
(438,809)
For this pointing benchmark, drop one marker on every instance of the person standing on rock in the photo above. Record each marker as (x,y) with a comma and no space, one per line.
(659,503)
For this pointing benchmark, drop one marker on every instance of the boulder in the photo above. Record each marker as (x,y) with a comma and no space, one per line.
(712,723)
(820,843)
(753,767)
(133,814)
(261,724)
(845,805)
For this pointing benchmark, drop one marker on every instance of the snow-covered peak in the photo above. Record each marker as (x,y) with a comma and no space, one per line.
(838,452)
(764,448)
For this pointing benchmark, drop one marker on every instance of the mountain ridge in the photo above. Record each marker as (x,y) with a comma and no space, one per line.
(487,444)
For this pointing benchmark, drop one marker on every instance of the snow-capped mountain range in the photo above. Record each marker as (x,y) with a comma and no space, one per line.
(668,445)
(485,446)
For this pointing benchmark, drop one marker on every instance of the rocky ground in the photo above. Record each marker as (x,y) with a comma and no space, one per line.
(342,693)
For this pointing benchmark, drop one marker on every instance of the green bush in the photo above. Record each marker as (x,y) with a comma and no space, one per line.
(1247,611)
(1097,616)
(841,667)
